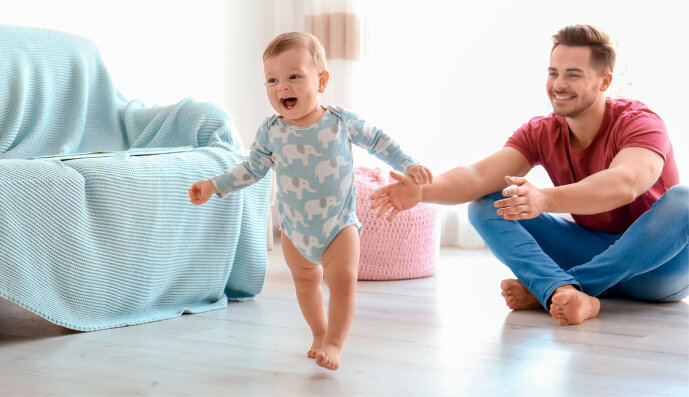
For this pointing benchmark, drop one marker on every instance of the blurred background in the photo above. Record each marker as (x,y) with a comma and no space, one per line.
(449,80)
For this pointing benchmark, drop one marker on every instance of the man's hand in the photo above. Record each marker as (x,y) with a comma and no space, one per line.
(525,201)
(397,196)
(201,191)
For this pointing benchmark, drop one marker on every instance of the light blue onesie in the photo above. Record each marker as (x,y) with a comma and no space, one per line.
(315,173)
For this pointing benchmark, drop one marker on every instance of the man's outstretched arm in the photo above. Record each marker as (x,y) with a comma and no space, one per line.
(633,171)
(458,185)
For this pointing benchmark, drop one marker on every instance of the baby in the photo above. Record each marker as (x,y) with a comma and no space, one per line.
(309,147)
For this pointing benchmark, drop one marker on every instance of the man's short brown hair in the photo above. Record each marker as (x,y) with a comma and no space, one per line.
(602,52)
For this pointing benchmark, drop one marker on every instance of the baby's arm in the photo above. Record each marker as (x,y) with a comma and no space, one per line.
(201,191)
(247,173)
(378,143)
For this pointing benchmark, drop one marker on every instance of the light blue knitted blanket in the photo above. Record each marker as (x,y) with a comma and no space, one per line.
(111,241)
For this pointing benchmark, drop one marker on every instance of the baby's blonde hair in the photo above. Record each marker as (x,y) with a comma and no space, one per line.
(288,40)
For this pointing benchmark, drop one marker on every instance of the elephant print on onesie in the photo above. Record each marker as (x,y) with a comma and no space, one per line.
(319,207)
(281,132)
(244,179)
(329,167)
(314,173)
(264,162)
(299,152)
(327,135)
(305,243)
(292,215)
(346,183)
(289,184)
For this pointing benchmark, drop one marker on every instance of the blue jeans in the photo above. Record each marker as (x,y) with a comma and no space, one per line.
(649,261)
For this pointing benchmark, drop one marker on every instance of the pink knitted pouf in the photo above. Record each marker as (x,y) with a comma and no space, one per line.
(402,249)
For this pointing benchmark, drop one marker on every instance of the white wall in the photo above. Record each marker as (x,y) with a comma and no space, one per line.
(450,80)
(453,80)
(161,51)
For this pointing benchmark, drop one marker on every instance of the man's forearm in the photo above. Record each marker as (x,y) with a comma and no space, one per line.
(469,183)
(597,193)
(459,185)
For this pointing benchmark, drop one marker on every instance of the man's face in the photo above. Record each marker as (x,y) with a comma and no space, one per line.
(573,83)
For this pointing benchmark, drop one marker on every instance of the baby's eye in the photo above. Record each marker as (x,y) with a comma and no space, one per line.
(294,76)
(271,81)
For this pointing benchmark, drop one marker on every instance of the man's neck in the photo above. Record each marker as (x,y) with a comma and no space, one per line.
(584,127)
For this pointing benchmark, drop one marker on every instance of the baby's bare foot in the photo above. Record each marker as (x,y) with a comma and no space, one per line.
(329,357)
(571,306)
(517,296)
(316,345)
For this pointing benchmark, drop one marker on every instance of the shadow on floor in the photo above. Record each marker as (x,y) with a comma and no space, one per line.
(18,325)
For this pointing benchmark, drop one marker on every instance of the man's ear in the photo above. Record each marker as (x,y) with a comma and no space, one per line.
(607,79)
(323,81)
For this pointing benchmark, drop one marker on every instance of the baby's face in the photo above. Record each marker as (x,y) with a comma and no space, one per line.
(293,84)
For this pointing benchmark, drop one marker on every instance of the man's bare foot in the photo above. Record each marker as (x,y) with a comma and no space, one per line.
(329,357)
(571,306)
(517,296)
(316,345)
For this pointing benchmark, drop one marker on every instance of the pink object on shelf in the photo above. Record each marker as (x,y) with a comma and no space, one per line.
(402,249)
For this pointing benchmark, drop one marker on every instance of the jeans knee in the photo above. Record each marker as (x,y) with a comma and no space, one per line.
(677,200)
(482,209)
(667,283)
(661,294)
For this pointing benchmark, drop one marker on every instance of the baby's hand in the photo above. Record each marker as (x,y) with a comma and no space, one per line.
(419,174)
(201,191)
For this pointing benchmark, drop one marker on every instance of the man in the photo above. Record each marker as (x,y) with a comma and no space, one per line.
(613,169)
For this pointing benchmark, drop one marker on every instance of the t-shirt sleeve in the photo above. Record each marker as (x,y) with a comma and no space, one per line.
(523,139)
(646,130)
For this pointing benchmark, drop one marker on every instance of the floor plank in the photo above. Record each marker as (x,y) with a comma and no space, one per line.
(446,335)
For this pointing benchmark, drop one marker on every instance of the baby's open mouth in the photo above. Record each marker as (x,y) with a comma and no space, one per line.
(288,102)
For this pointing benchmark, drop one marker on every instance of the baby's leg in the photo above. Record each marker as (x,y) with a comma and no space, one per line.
(307,278)
(340,265)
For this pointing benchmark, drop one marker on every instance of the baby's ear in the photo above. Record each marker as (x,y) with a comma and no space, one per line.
(323,78)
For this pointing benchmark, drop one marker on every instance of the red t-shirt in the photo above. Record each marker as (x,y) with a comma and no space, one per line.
(627,123)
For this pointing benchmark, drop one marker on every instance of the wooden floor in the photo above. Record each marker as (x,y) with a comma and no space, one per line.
(447,335)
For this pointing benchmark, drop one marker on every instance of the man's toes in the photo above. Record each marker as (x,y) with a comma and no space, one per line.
(561,299)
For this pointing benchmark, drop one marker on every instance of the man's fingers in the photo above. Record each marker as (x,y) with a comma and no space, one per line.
(514,213)
(393,214)
(383,209)
(517,217)
(515,191)
(517,209)
(401,178)
(515,180)
(508,202)
(379,201)
(381,191)
(397,176)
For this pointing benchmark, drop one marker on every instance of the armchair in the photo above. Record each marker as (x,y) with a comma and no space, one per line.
(95,243)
